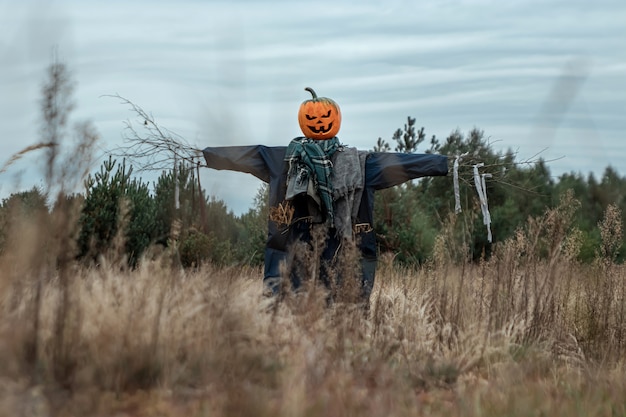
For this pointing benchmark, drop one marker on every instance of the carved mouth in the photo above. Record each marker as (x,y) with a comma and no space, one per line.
(321,129)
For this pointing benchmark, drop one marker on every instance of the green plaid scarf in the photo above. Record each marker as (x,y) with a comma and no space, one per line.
(315,155)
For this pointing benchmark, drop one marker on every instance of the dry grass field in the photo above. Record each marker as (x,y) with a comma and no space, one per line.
(529,332)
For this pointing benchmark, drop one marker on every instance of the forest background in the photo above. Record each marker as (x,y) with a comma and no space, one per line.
(408,218)
(99,318)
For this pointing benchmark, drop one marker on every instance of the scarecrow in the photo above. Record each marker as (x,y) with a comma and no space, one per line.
(317,181)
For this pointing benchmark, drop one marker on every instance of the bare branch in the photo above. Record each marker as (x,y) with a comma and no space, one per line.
(154,148)
(466,175)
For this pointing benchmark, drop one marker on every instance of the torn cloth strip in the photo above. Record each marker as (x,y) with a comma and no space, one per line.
(481,190)
(348,183)
(315,156)
(176,185)
(455,182)
(486,214)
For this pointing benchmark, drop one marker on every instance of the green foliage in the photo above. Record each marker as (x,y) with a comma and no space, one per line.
(220,221)
(196,216)
(414,231)
(407,139)
(100,217)
(26,203)
(595,197)
(516,191)
(189,200)
(114,206)
(408,233)
(197,248)
(252,229)
(121,215)
(140,228)
(24,206)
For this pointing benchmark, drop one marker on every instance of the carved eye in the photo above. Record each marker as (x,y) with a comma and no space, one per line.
(311,117)
(327,114)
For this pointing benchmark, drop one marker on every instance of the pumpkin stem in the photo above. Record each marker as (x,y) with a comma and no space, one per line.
(310,90)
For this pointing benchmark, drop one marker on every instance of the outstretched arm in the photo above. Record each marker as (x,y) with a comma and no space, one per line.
(257,160)
(386,169)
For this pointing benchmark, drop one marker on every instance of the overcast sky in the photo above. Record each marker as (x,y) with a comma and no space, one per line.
(533,75)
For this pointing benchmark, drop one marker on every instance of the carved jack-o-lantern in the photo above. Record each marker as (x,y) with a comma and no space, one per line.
(319,117)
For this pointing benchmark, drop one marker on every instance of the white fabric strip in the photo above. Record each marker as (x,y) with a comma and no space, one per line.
(176,188)
(486,214)
(455,181)
(481,190)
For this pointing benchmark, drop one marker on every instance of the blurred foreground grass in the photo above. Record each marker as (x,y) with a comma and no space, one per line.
(527,332)
(516,335)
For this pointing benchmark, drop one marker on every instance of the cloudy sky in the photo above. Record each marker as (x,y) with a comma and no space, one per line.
(544,77)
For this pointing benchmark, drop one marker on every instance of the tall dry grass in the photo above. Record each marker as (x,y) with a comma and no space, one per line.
(529,331)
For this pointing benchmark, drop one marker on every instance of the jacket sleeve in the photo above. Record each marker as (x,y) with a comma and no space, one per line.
(257,160)
(386,169)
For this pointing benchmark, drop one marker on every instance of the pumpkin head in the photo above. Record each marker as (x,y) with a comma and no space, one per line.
(319,117)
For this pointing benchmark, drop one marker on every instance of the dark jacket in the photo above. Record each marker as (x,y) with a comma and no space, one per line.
(382,170)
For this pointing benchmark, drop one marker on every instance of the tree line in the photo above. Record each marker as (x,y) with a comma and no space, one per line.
(119,213)
(119,207)
(410,217)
